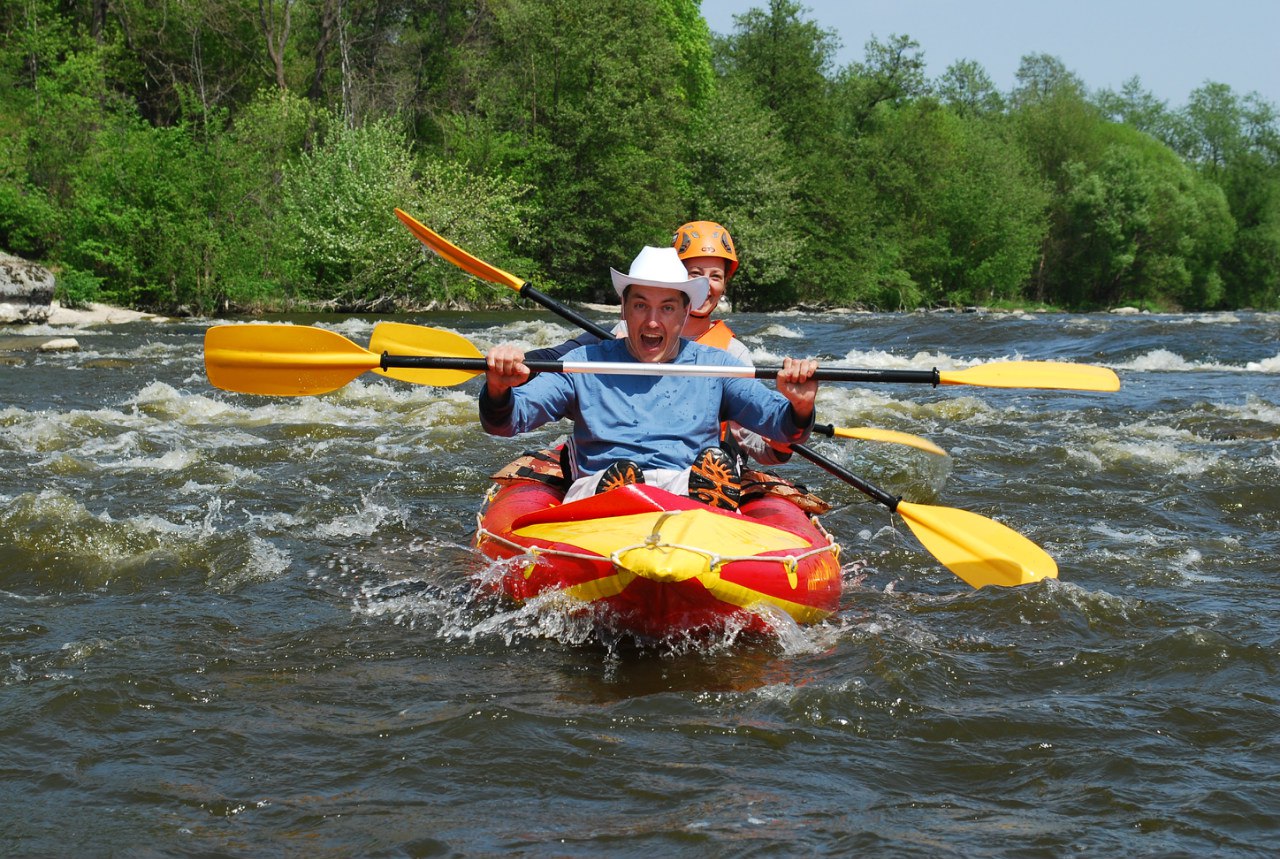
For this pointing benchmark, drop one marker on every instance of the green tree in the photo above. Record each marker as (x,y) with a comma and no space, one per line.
(786,58)
(742,175)
(248,159)
(588,107)
(892,74)
(1138,108)
(1143,228)
(338,202)
(344,240)
(1235,142)
(963,206)
(1043,77)
(967,89)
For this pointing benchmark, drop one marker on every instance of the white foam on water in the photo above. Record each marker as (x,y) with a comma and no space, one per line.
(377,402)
(842,405)
(1090,460)
(1188,566)
(1140,536)
(160,349)
(359,403)
(1121,609)
(1159,359)
(532,334)
(277,522)
(1267,365)
(174,460)
(353,328)
(784,332)
(1092,324)
(1165,457)
(1163,360)
(266,562)
(1223,318)
(108,539)
(32,432)
(364,521)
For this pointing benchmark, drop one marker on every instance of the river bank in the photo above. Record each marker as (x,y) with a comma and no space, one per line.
(51,336)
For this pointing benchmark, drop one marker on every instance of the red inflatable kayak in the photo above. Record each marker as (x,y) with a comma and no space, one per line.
(656,564)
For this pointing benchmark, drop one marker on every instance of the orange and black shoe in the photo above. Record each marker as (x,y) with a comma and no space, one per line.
(714,480)
(624,472)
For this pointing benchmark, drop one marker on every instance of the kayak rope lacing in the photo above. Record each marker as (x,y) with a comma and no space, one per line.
(532,554)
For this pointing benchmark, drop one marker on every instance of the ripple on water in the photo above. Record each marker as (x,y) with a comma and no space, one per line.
(55,544)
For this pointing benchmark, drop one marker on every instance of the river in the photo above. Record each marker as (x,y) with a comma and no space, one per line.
(204,650)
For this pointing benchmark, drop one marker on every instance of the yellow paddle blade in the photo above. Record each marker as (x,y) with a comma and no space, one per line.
(1056,375)
(977,549)
(447,250)
(282,360)
(873,434)
(399,338)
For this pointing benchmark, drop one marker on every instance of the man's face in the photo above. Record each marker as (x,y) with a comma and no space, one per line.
(712,268)
(654,317)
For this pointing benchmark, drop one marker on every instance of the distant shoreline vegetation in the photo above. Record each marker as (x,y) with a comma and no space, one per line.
(246,157)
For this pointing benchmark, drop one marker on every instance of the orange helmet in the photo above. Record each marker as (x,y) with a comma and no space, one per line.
(706,239)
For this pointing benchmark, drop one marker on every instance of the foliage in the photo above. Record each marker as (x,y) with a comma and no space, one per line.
(587,104)
(337,199)
(967,89)
(741,176)
(215,155)
(786,59)
(76,289)
(1143,225)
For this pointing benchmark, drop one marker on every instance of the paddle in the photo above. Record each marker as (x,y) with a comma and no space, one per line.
(447,250)
(966,543)
(977,549)
(443,350)
(400,338)
(292,360)
(1051,375)
(872,434)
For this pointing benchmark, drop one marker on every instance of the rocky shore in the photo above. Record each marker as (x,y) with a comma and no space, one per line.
(27,310)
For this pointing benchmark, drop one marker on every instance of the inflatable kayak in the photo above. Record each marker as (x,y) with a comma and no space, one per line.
(655,564)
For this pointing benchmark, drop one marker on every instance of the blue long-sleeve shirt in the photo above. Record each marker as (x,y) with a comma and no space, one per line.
(740,442)
(657,421)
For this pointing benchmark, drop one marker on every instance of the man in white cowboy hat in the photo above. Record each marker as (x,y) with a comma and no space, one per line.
(647,429)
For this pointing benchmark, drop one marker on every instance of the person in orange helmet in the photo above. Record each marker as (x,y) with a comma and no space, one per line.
(706,249)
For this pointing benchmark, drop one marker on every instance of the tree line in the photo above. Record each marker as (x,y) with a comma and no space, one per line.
(223,155)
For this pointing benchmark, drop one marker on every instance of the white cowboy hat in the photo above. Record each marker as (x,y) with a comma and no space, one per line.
(661,267)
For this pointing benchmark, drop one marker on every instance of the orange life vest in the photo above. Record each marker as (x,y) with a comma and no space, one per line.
(718,335)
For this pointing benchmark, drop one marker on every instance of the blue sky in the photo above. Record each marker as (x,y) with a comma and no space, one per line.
(1172,45)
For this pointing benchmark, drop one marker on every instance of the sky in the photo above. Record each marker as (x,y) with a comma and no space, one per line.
(1173,46)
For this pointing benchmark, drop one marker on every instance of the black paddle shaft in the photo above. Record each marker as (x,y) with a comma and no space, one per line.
(890,501)
(824,374)
(528,291)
